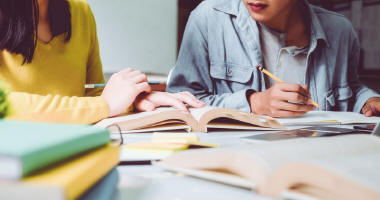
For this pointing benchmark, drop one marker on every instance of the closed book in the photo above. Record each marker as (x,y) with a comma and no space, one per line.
(26,147)
(106,188)
(67,180)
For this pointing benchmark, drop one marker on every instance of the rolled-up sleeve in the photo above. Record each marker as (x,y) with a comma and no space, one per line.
(362,93)
(56,108)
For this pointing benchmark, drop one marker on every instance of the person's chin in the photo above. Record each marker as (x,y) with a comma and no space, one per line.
(259,17)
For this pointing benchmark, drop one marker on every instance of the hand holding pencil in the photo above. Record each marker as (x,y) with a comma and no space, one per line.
(282,99)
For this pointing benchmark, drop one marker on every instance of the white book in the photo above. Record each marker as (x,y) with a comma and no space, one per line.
(328,117)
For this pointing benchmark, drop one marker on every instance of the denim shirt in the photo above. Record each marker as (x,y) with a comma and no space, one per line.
(221,47)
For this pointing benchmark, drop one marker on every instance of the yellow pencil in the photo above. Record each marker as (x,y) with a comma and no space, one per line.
(279,80)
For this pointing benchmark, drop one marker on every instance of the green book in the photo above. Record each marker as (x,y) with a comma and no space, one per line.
(26,146)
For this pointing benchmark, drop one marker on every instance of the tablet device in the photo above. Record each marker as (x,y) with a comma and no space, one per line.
(376,130)
(313,131)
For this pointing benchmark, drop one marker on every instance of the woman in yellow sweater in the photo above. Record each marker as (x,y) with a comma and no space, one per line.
(49,51)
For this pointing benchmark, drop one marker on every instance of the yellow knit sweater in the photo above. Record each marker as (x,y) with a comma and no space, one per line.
(51,88)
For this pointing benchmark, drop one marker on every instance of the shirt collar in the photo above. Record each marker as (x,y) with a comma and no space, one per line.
(228,6)
(316,29)
(317,32)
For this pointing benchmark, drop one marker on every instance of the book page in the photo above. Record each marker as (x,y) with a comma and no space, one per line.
(224,118)
(327,117)
(361,169)
(164,127)
(216,176)
(130,116)
(161,119)
(275,154)
(198,112)
(345,177)
(257,162)
(211,163)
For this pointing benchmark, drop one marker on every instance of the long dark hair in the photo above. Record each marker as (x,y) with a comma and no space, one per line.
(19,22)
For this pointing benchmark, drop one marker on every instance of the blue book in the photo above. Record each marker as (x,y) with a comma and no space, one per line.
(106,188)
(26,146)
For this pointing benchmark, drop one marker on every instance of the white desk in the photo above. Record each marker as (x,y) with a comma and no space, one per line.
(224,138)
(152,183)
(146,182)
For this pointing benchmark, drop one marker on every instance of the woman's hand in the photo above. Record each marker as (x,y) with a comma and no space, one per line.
(122,90)
(282,100)
(372,107)
(151,101)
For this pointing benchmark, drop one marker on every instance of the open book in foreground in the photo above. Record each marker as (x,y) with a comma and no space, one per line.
(341,167)
(199,120)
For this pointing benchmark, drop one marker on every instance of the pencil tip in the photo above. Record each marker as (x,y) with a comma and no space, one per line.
(259,68)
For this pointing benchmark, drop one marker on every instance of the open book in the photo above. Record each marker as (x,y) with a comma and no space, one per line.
(341,167)
(199,120)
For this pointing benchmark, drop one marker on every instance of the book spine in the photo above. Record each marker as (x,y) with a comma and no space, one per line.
(104,188)
(104,160)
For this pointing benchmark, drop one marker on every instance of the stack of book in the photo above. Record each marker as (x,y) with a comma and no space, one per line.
(56,161)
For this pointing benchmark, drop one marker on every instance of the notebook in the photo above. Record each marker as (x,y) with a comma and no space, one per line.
(327,118)
(26,146)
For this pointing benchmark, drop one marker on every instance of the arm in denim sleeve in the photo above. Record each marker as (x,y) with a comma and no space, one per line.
(361,92)
(192,71)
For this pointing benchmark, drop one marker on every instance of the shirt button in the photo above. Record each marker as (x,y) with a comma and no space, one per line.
(229,72)
(336,94)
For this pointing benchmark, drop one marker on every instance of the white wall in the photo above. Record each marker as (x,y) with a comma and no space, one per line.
(136,33)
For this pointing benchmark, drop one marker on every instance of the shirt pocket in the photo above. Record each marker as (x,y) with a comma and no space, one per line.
(339,98)
(230,77)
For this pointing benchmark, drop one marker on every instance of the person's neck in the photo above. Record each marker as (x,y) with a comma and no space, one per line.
(291,22)
(43,9)
(44,30)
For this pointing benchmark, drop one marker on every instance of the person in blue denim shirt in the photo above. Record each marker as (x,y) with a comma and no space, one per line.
(318,52)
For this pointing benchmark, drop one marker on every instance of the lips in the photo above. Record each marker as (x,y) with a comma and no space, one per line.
(257,7)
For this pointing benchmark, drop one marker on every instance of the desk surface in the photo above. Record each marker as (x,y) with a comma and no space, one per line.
(150,182)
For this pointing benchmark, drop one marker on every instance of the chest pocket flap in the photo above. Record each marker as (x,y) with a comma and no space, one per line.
(339,94)
(231,72)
